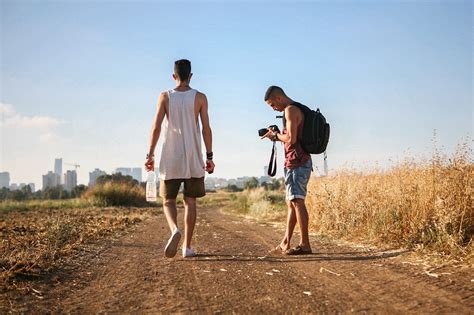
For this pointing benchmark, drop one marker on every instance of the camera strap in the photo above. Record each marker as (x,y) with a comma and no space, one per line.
(272,165)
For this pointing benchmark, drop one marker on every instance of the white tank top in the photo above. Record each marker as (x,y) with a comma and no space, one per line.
(181,156)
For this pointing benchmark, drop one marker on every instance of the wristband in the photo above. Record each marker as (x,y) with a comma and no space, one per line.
(148,156)
(209,155)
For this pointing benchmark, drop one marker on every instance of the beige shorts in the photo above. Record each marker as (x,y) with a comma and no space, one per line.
(193,188)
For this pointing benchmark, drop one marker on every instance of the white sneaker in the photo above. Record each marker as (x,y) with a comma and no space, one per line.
(172,245)
(188,252)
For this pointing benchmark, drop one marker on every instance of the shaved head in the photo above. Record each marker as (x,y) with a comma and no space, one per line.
(273,91)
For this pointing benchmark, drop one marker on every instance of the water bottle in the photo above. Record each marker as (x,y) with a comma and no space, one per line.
(150,186)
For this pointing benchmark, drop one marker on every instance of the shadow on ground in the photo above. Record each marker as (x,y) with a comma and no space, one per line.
(272,257)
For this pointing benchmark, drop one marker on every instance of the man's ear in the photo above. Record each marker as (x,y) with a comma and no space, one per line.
(174,77)
(190,76)
(279,99)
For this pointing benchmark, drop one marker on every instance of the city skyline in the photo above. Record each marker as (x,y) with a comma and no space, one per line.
(68,180)
(80,80)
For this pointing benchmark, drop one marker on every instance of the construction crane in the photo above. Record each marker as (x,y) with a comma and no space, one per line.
(76,166)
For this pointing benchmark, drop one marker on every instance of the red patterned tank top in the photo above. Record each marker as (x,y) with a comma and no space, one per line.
(295,156)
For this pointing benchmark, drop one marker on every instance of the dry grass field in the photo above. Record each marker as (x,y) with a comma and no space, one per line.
(421,205)
(38,235)
(89,259)
(38,240)
(416,204)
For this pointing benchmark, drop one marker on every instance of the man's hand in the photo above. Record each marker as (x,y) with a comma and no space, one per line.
(150,163)
(270,135)
(210,166)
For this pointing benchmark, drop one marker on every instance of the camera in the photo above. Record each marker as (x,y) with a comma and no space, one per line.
(263,131)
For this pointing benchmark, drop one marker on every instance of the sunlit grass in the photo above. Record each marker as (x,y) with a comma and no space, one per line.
(418,204)
(116,194)
(259,203)
(26,205)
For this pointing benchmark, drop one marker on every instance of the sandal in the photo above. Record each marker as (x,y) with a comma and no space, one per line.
(298,250)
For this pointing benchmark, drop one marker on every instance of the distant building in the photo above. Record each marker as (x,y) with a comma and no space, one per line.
(265,171)
(58,168)
(14,186)
(70,180)
(137,174)
(125,171)
(94,175)
(32,187)
(51,180)
(4,179)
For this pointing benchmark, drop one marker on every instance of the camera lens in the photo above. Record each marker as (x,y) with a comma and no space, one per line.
(262,132)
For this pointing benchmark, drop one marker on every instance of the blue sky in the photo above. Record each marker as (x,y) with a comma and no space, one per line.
(80,79)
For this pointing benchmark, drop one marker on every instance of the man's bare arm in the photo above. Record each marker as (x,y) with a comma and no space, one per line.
(292,122)
(206,127)
(156,128)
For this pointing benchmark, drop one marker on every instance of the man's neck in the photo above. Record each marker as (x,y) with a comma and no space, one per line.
(182,86)
(288,101)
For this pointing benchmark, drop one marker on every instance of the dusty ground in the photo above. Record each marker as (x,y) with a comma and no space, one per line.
(235,274)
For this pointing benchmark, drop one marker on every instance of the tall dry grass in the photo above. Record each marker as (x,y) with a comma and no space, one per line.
(116,194)
(418,204)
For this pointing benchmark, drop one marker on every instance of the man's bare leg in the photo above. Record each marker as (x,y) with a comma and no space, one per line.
(303,218)
(290,227)
(189,219)
(169,208)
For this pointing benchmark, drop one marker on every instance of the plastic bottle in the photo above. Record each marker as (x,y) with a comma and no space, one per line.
(150,186)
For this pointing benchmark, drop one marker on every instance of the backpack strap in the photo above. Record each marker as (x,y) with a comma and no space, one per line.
(305,109)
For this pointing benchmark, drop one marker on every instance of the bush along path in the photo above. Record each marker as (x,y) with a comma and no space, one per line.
(235,272)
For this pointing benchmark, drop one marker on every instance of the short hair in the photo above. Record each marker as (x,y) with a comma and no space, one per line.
(272,90)
(182,68)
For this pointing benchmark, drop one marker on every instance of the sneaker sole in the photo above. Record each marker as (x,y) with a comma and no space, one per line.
(172,247)
(189,256)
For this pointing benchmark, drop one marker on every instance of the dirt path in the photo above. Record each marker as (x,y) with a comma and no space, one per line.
(234,274)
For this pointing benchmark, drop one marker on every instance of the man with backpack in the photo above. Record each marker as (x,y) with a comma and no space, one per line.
(298,166)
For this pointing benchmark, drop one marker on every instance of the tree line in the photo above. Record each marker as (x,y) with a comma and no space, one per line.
(58,192)
(253,183)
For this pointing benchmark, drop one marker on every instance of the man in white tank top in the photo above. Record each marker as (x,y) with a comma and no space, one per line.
(181,159)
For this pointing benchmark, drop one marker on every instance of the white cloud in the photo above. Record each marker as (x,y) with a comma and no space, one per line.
(6,110)
(10,118)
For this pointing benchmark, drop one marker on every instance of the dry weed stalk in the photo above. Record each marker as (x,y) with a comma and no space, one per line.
(425,204)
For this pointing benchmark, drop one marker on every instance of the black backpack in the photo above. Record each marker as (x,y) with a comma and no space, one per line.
(315,136)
